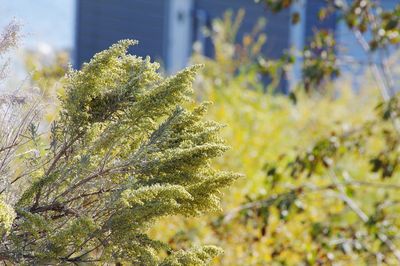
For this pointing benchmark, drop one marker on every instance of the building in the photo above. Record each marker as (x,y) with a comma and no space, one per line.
(167,29)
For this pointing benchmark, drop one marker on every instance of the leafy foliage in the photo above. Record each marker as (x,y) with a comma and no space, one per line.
(123,152)
(321,170)
(320,61)
(376,29)
(360,15)
(127,157)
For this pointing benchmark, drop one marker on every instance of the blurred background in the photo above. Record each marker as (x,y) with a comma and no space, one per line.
(169,30)
(306,88)
(39,20)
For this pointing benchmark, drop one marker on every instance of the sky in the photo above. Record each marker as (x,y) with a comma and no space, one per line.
(46,23)
(47,26)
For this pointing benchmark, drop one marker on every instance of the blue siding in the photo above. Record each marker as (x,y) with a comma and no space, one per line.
(277,28)
(103,22)
(313,23)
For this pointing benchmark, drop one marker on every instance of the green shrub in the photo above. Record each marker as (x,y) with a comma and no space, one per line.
(123,152)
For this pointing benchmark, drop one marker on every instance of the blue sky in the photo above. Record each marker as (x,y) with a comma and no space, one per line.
(48,22)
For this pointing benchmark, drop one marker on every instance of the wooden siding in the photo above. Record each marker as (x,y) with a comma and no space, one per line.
(277,28)
(101,23)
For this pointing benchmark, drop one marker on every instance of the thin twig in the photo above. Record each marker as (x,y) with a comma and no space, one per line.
(362,215)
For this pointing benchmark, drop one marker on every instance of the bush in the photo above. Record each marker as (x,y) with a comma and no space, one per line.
(123,152)
(321,172)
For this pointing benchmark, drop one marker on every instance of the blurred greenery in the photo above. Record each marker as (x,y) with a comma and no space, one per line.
(361,16)
(321,166)
(317,189)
